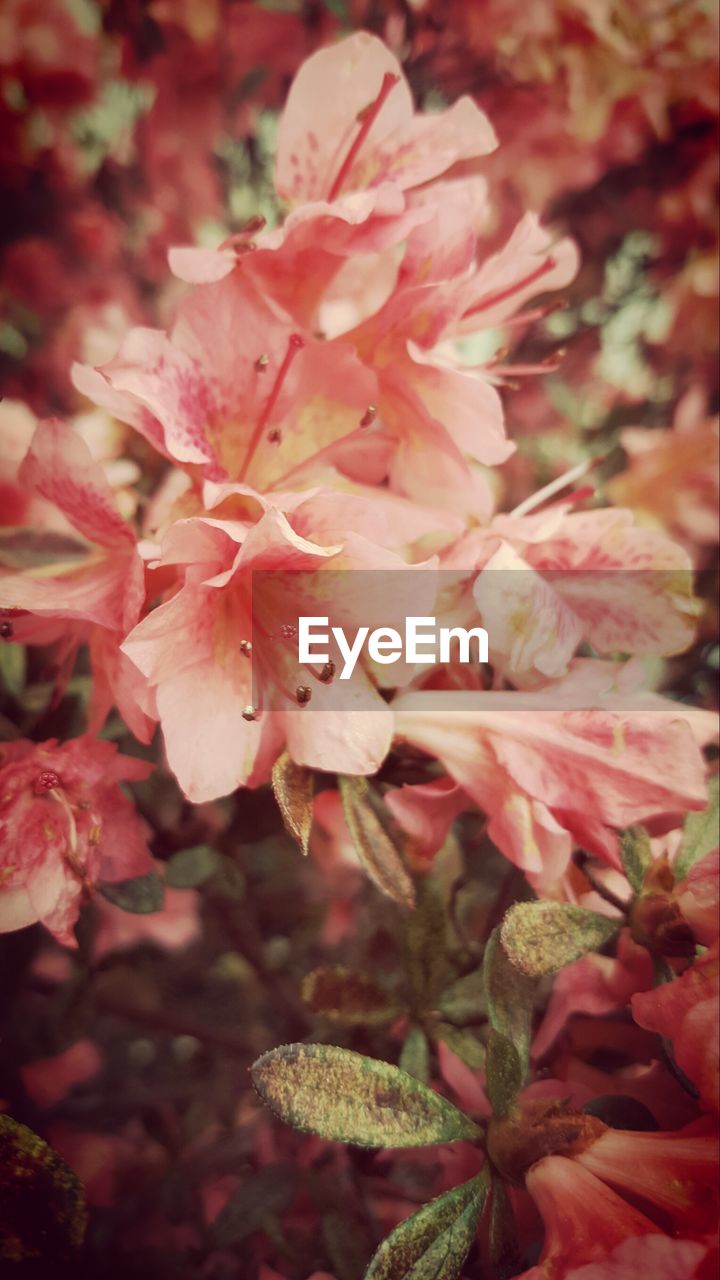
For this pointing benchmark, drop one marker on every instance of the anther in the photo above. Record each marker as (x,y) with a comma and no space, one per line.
(327,672)
(47,780)
(6,630)
(274,436)
(249,713)
(369,416)
(262,363)
(245,647)
(303,693)
(295,343)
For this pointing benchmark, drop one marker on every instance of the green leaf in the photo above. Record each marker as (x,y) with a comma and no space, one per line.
(264,1196)
(189,868)
(415,1055)
(434,1243)
(141,895)
(13,665)
(701,832)
(464,1043)
(426,946)
(509,998)
(503,1074)
(503,1253)
(464,1000)
(346,1097)
(377,852)
(42,1209)
(346,996)
(542,937)
(636,856)
(293,786)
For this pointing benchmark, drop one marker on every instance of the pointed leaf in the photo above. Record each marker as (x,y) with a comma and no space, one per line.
(542,937)
(464,1000)
(293,786)
(346,1097)
(503,1073)
(42,1209)
(141,895)
(509,998)
(189,868)
(503,1253)
(426,946)
(346,996)
(435,1241)
(13,665)
(415,1055)
(258,1200)
(377,852)
(701,832)
(636,856)
(39,549)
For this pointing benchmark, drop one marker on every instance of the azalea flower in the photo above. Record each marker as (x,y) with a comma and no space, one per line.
(65,824)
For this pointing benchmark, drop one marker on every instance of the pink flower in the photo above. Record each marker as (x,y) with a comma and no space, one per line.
(549,778)
(234,391)
(685,1011)
(349,124)
(79,577)
(65,823)
(172,929)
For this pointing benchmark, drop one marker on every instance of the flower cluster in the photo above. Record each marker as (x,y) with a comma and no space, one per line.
(325,407)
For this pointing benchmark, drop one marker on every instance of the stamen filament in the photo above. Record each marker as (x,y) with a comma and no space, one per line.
(365,118)
(556,486)
(295,344)
(501,295)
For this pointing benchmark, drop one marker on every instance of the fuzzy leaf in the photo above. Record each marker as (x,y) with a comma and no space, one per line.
(346,1097)
(42,1209)
(636,856)
(189,868)
(415,1055)
(503,1254)
(377,852)
(347,996)
(426,945)
(293,786)
(435,1241)
(509,998)
(503,1073)
(142,895)
(542,937)
(464,1000)
(701,832)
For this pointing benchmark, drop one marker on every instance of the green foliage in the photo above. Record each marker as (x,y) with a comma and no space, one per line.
(346,1097)
(542,937)
(415,1055)
(346,996)
(701,834)
(435,1241)
(254,1205)
(464,1000)
(636,856)
(504,1074)
(293,786)
(509,997)
(502,1233)
(190,868)
(42,1209)
(377,851)
(464,1043)
(142,895)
